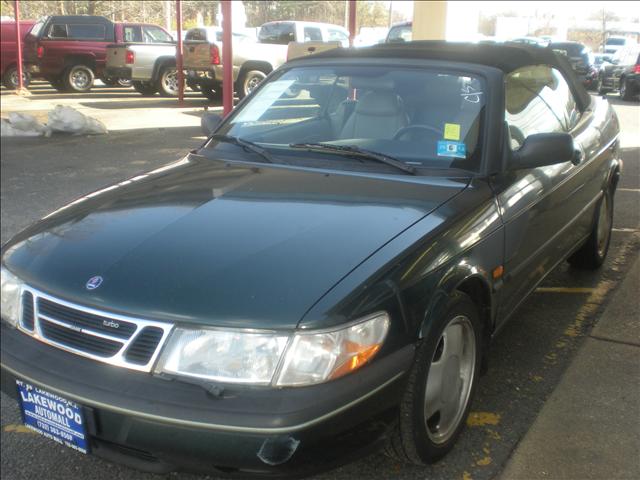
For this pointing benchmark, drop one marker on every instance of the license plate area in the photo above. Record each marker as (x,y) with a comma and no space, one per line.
(53,416)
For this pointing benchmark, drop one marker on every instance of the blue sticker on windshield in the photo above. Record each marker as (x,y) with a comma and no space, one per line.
(447,148)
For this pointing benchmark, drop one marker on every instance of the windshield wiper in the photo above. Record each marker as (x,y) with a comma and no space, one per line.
(246,144)
(350,150)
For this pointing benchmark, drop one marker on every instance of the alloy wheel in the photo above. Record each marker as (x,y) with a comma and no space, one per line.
(450,379)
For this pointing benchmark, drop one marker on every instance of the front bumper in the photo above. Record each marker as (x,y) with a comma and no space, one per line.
(160,425)
(118,72)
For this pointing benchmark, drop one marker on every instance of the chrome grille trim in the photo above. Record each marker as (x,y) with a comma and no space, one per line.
(118,359)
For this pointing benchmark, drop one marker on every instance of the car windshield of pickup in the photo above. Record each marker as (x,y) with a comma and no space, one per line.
(418,116)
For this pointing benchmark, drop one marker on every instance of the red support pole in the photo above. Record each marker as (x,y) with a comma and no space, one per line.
(227,59)
(352,21)
(16,9)
(179,64)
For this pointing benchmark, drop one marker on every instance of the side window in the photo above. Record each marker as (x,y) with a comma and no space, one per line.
(58,31)
(562,101)
(337,35)
(156,35)
(312,34)
(87,31)
(132,33)
(403,33)
(538,100)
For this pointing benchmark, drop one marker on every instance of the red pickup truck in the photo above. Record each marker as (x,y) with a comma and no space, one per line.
(70,50)
(9,53)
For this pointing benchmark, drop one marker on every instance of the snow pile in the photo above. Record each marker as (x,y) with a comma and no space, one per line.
(22,125)
(60,119)
(67,119)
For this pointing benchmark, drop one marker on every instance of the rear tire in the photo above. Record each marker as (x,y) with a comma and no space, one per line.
(440,387)
(594,251)
(168,81)
(625,93)
(248,81)
(10,78)
(78,78)
(600,86)
(146,89)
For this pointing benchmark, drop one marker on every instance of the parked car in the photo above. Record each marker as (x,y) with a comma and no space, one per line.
(284,32)
(70,50)
(622,74)
(615,43)
(400,32)
(326,273)
(252,61)
(147,57)
(9,53)
(533,41)
(582,61)
(602,58)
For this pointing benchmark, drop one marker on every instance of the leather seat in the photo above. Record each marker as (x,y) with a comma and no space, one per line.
(378,114)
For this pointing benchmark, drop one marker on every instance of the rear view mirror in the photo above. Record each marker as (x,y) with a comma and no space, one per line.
(209,122)
(543,149)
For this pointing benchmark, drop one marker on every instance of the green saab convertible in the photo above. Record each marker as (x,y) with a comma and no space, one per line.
(324,275)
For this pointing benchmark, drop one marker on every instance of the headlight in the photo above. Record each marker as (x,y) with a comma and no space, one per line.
(223,355)
(321,356)
(10,287)
(252,357)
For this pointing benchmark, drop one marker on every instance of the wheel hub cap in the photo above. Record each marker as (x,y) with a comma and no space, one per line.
(450,379)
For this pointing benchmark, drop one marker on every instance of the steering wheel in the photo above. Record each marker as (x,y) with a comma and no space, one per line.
(404,130)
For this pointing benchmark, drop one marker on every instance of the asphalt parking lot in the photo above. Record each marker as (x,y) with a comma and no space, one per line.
(527,360)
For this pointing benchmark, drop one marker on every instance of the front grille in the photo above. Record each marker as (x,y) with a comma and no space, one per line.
(119,340)
(27,310)
(78,340)
(144,345)
(85,320)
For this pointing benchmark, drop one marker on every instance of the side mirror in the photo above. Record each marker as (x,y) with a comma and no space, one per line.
(209,122)
(543,149)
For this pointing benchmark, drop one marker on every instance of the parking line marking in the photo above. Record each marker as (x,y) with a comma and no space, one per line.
(565,290)
(628,189)
(625,230)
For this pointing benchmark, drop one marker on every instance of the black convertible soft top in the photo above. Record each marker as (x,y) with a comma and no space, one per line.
(506,57)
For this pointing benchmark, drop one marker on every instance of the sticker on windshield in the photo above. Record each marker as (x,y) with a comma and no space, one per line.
(452,131)
(471,94)
(451,149)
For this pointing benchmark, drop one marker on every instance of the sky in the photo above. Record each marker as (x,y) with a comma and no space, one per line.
(626,10)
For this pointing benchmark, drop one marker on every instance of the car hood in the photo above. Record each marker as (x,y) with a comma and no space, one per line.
(226,244)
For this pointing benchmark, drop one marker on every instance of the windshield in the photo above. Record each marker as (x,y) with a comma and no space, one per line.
(616,41)
(422,117)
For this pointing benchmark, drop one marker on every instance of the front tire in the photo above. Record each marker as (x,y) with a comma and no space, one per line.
(10,78)
(146,89)
(211,94)
(441,385)
(78,78)
(249,80)
(594,251)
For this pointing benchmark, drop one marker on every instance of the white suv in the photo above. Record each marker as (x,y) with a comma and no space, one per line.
(282,33)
